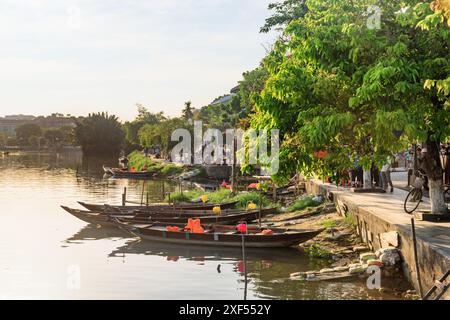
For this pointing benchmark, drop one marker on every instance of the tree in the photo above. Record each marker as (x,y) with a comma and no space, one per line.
(144,117)
(442,6)
(54,137)
(351,89)
(161,134)
(100,134)
(285,12)
(187,111)
(249,87)
(3,139)
(25,131)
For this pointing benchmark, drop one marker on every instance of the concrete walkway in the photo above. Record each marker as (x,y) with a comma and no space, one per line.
(383,213)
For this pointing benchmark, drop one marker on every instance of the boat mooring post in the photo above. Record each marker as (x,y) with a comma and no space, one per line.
(244,260)
(142,194)
(124,197)
(416,258)
(260,208)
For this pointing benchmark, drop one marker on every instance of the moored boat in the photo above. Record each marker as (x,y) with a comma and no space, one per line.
(223,236)
(177,217)
(153,207)
(123,173)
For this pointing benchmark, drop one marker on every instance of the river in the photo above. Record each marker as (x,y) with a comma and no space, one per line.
(48,254)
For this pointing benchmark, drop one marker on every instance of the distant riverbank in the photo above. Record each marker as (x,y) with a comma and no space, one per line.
(37,149)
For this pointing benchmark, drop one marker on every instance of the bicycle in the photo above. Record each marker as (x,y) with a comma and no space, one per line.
(414,197)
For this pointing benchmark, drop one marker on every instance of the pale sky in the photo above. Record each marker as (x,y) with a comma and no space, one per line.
(107,55)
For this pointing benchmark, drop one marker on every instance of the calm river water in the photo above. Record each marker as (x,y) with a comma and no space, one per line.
(46,253)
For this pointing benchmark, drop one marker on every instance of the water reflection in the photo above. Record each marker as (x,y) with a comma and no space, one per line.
(96,232)
(40,242)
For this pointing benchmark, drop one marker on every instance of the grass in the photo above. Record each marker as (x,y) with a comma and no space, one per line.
(139,161)
(350,220)
(315,251)
(329,224)
(171,170)
(302,204)
(221,196)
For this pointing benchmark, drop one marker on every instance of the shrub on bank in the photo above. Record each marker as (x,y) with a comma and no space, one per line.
(139,161)
(220,196)
(302,204)
(171,169)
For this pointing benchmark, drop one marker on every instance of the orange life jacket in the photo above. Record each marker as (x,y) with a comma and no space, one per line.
(172,229)
(194,226)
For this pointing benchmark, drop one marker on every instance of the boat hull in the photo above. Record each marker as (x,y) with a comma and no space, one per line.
(96,207)
(172,218)
(118,173)
(223,240)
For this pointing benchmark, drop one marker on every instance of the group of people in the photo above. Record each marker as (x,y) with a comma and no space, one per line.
(378,177)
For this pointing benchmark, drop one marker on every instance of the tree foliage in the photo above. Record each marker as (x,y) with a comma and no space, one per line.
(100,134)
(361,93)
(144,117)
(25,131)
(160,134)
(284,12)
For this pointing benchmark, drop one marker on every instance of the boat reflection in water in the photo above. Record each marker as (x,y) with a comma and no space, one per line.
(97,232)
(261,274)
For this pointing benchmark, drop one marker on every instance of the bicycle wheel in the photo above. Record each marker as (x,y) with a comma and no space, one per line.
(413,200)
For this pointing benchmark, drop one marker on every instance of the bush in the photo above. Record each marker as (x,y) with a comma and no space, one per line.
(315,251)
(187,196)
(302,204)
(138,161)
(329,224)
(171,170)
(244,198)
(220,196)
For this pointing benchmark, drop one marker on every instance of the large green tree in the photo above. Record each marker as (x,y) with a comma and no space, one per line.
(357,89)
(283,13)
(25,131)
(144,117)
(100,134)
(160,134)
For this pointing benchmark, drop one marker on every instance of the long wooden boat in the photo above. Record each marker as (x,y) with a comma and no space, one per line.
(168,218)
(157,207)
(120,173)
(223,236)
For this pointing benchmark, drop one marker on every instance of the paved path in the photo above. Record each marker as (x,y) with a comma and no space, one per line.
(389,207)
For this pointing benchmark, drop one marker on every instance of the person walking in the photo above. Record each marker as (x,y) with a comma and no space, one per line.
(386,176)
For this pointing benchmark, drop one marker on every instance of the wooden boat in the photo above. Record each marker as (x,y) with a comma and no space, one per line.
(153,207)
(121,173)
(233,216)
(223,236)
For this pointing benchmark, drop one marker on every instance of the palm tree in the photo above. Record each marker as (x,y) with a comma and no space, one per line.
(188,110)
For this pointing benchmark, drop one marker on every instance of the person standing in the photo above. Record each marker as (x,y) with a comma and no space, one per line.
(386,176)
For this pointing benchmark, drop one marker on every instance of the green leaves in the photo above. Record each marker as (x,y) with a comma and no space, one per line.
(356,92)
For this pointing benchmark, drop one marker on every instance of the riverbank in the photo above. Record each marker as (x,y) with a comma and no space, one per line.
(381,222)
(158,167)
(338,252)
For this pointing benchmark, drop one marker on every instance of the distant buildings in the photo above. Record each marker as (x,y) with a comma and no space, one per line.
(226,98)
(9,123)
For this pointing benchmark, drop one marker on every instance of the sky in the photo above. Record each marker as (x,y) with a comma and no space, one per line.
(76,57)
